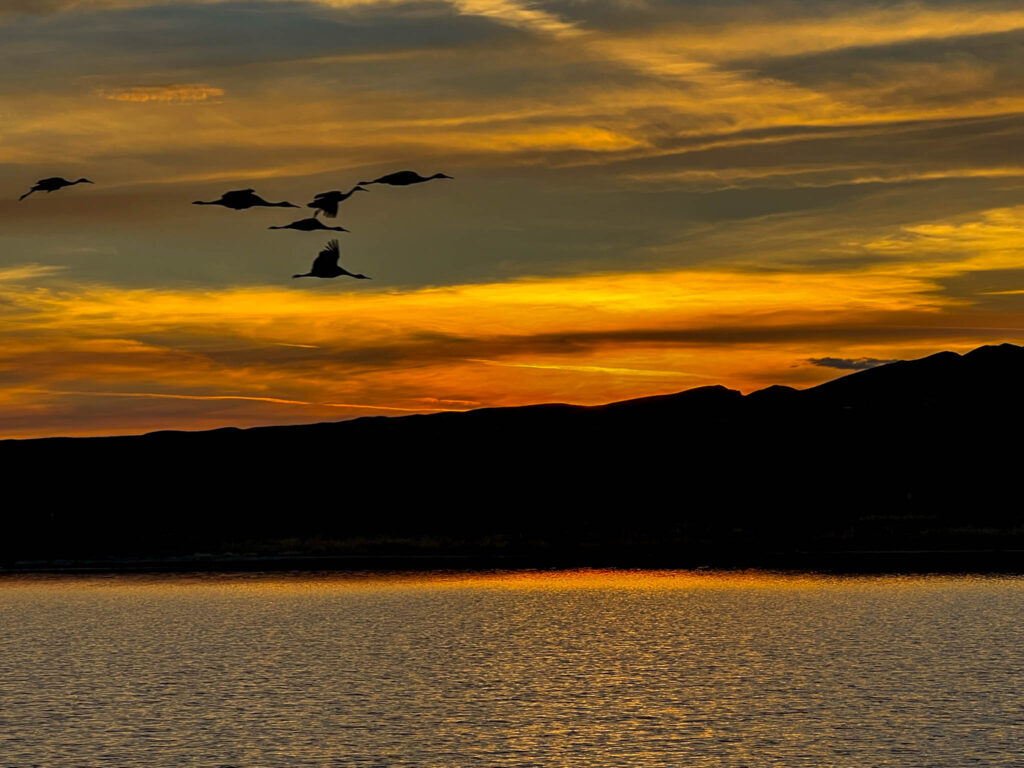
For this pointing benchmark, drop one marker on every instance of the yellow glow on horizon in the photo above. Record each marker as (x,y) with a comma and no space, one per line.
(529,305)
(586,339)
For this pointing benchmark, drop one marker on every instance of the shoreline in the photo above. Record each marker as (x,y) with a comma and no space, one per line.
(860,562)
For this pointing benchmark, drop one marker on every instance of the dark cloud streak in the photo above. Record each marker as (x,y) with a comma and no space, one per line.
(848,364)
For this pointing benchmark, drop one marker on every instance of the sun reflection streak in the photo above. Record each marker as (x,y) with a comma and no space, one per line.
(568,580)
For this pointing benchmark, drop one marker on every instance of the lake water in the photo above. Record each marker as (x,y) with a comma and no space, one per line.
(580,669)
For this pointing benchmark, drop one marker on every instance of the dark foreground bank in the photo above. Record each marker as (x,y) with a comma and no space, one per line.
(912,466)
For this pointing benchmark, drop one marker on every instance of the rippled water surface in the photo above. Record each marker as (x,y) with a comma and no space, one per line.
(570,669)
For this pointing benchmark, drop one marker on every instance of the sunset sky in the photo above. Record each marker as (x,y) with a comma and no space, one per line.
(648,196)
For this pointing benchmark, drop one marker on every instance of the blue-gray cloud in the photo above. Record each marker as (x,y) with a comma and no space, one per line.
(848,364)
(194,37)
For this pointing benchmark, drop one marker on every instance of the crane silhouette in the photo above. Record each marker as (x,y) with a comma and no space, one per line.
(327,202)
(326,264)
(52,185)
(404,178)
(311,224)
(240,199)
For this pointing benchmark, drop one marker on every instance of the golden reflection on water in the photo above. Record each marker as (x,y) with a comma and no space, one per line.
(526,669)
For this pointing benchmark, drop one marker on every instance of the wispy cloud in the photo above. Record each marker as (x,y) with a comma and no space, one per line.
(177,93)
(983,240)
(519,15)
(28,272)
(242,398)
(642,372)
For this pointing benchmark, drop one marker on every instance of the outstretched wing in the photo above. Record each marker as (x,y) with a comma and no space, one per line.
(327,202)
(328,257)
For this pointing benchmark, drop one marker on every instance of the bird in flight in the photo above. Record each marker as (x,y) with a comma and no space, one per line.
(327,202)
(240,199)
(326,264)
(52,185)
(404,178)
(309,225)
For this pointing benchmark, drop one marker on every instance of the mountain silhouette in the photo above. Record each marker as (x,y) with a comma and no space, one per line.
(912,456)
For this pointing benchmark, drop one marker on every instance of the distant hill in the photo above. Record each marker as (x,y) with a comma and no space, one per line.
(912,455)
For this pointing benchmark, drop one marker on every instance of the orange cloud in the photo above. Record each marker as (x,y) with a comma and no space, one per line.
(94,358)
(178,93)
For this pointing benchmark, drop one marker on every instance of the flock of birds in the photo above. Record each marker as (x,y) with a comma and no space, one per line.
(326,262)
